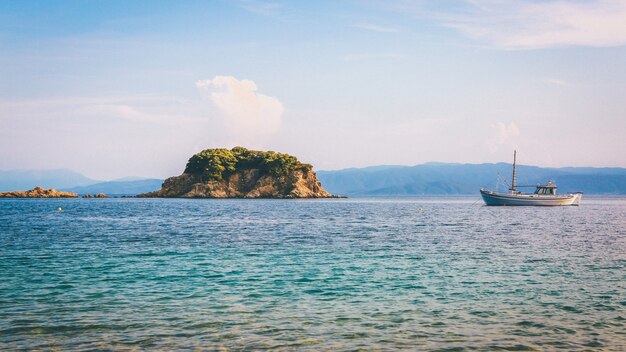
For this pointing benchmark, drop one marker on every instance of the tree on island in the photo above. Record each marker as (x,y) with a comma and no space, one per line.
(219,163)
(243,173)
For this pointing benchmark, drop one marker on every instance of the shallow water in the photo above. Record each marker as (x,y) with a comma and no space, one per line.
(382,274)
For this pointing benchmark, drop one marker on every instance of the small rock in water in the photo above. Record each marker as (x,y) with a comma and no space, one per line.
(99,195)
(38,192)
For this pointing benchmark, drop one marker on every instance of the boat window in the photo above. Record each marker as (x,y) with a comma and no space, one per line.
(545,190)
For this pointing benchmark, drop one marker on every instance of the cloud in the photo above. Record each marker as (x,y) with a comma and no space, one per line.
(111,136)
(147,109)
(503,134)
(556,81)
(260,7)
(242,109)
(370,57)
(530,25)
(376,28)
(519,24)
(125,112)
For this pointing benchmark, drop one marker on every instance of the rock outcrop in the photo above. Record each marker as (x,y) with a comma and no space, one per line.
(248,174)
(38,192)
(98,195)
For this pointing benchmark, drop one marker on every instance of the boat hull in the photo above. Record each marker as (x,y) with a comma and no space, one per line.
(505,199)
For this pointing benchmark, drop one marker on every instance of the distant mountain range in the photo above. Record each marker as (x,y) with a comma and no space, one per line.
(441,179)
(13,180)
(423,179)
(119,187)
(71,181)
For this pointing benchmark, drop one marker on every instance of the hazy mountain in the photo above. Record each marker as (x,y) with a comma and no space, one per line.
(129,178)
(12,180)
(392,180)
(132,187)
(71,181)
(441,178)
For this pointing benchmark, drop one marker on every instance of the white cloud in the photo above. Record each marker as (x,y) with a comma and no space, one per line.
(370,57)
(503,134)
(519,24)
(556,81)
(108,136)
(529,25)
(376,28)
(243,110)
(263,8)
(148,109)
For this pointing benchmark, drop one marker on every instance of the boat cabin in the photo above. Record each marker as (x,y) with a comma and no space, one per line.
(548,189)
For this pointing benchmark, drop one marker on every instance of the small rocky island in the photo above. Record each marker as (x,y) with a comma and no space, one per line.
(243,173)
(98,195)
(38,192)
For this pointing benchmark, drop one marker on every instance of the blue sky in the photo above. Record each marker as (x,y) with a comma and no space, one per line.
(118,88)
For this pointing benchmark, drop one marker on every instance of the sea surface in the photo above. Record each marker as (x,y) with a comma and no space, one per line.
(310,275)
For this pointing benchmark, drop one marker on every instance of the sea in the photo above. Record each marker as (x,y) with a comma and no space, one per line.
(373,274)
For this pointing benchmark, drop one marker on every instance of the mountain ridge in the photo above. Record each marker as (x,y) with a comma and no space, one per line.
(459,179)
(431,178)
(23,179)
(115,187)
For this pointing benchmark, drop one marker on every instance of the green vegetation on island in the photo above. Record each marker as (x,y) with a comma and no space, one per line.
(219,163)
(242,173)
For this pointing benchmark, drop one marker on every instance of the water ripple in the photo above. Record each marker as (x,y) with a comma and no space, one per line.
(146,274)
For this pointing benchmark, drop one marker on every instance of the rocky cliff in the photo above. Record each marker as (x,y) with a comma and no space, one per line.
(38,192)
(242,173)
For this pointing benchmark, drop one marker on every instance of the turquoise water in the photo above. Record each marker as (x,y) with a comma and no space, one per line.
(381,274)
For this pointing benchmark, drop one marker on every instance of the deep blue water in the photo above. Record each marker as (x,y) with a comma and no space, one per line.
(386,274)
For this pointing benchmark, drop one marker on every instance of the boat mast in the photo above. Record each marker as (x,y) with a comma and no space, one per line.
(513,188)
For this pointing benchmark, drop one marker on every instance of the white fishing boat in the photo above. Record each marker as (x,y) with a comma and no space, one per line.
(545,195)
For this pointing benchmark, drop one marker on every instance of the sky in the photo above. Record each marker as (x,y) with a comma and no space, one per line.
(134,88)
